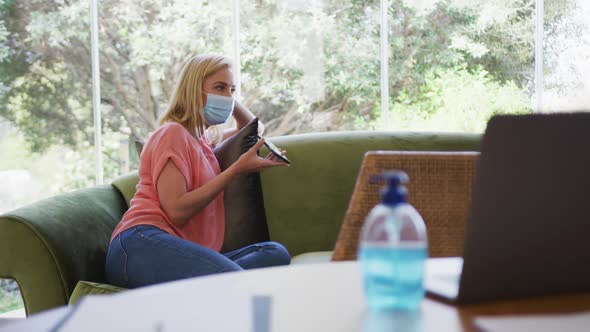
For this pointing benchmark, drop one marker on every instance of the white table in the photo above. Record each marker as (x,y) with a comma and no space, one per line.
(314,297)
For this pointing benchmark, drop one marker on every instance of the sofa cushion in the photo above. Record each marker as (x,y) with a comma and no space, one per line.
(84,288)
(245,219)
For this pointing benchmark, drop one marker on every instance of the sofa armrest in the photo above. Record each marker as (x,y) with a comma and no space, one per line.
(48,246)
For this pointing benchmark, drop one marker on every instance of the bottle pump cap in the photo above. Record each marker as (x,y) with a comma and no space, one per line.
(394,193)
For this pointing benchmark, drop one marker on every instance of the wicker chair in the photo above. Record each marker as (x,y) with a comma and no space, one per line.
(439,188)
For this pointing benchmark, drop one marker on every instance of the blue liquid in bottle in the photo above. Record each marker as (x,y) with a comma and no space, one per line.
(393,250)
(393,275)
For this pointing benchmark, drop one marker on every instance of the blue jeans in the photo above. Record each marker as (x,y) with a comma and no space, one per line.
(145,255)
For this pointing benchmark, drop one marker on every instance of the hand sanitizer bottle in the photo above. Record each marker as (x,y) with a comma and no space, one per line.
(393,248)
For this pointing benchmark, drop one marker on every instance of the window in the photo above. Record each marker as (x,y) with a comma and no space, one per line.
(45,105)
(453,64)
(143,44)
(310,65)
(566,69)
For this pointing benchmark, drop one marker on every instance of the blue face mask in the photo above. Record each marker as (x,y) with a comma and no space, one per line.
(218,109)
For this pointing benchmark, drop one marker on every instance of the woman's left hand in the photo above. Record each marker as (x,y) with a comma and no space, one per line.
(249,161)
(274,157)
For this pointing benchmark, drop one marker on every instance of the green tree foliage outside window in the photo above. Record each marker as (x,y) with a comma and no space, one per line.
(481,50)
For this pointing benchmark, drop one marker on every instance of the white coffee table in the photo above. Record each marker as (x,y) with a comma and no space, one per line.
(314,297)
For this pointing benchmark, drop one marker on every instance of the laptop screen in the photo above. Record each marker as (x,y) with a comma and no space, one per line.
(528,226)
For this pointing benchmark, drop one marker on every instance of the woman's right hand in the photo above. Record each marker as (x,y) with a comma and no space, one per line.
(250,161)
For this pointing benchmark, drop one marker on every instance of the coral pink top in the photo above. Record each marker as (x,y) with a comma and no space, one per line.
(198,165)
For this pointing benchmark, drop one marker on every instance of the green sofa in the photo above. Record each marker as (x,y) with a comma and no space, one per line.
(55,248)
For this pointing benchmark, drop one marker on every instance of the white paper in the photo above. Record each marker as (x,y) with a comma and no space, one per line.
(442,275)
(577,322)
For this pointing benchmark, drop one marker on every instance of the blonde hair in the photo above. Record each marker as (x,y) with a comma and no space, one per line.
(186,103)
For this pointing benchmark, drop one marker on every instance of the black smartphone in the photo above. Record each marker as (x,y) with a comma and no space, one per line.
(276,151)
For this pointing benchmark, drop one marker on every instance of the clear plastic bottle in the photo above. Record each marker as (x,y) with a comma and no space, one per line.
(393,249)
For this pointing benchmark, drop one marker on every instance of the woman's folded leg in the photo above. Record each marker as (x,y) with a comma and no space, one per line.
(147,255)
(263,254)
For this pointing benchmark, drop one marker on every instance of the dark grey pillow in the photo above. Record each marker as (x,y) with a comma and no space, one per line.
(245,218)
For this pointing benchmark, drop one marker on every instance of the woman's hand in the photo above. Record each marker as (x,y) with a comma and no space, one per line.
(250,161)
(274,157)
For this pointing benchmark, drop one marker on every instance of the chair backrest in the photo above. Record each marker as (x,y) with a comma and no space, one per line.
(439,188)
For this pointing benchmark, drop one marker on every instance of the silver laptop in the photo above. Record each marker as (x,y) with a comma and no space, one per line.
(528,230)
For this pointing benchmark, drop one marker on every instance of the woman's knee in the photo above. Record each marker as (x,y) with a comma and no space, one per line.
(280,253)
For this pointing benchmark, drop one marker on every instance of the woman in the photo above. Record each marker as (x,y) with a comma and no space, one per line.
(175,224)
